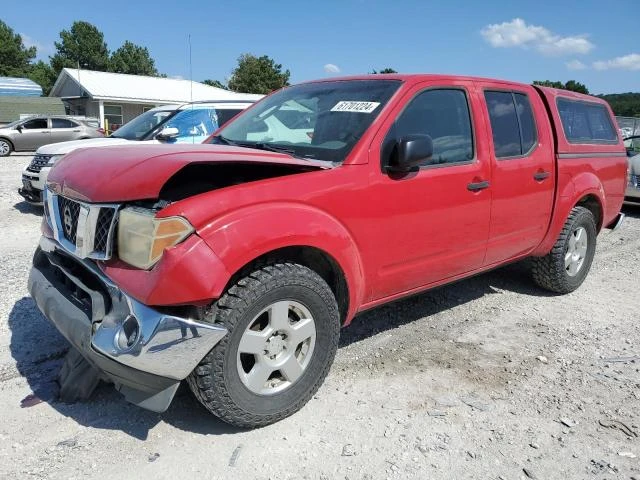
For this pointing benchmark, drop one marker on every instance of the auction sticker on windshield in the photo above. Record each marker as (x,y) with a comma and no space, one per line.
(360,107)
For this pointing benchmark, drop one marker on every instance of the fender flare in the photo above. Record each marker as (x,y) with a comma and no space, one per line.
(237,239)
(574,190)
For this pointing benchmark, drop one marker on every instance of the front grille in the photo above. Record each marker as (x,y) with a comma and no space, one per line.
(634,181)
(85,230)
(38,162)
(69,211)
(103,227)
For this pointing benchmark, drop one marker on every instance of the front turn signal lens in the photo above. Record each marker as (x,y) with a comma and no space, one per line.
(142,238)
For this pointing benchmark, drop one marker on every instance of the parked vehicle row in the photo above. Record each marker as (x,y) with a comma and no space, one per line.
(234,264)
(186,123)
(33,132)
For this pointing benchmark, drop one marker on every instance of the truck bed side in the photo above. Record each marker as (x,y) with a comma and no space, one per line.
(590,172)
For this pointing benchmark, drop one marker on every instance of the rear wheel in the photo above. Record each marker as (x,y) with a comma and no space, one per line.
(564,268)
(284,325)
(5,147)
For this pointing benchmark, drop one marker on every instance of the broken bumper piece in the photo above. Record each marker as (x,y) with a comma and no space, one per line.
(143,351)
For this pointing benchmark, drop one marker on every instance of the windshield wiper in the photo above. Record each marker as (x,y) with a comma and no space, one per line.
(226,141)
(274,148)
(260,146)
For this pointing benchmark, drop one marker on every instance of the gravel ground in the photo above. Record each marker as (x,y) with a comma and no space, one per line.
(488,378)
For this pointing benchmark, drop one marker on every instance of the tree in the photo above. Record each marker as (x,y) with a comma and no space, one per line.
(258,75)
(215,83)
(548,83)
(624,104)
(43,75)
(15,58)
(576,87)
(570,85)
(133,59)
(82,46)
(384,70)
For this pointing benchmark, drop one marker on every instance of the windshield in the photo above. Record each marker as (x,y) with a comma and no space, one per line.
(321,121)
(194,124)
(13,124)
(139,127)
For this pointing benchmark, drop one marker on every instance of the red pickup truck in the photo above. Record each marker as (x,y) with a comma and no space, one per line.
(234,264)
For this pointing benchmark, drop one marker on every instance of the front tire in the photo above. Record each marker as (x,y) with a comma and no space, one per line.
(5,147)
(284,326)
(566,266)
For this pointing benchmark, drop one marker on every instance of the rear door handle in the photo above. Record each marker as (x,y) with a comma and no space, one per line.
(76,130)
(477,186)
(539,176)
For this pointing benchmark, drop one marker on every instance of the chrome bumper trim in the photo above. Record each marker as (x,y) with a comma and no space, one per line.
(165,345)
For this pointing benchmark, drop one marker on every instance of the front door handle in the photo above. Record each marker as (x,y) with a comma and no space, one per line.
(477,186)
(539,176)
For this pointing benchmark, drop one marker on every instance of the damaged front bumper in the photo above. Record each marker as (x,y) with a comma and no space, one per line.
(145,352)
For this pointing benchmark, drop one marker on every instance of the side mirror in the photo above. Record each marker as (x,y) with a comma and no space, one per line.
(410,152)
(19,128)
(168,133)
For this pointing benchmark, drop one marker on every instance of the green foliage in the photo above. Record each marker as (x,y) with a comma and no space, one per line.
(132,59)
(576,87)
(258,75)
(572,85)
(384,70)
(43,75)
(82,46)
(624,104)
(215,83)
(548,83)
(15,58)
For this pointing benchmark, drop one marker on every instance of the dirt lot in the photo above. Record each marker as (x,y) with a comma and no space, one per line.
(490,378)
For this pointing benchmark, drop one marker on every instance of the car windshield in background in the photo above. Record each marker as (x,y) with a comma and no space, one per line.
(320,121)
(13,124)
(139,127)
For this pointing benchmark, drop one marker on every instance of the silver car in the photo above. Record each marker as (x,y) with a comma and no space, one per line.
(33,132)
(632,193)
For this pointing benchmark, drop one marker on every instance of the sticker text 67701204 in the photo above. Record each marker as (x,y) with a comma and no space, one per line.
(359,107)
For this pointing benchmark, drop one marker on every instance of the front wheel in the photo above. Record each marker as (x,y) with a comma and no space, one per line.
(564,268)
(5,147)
(284,325)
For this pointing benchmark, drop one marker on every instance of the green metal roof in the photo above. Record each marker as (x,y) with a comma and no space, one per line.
(11,107)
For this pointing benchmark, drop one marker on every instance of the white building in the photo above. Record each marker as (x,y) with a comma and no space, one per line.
(119,97)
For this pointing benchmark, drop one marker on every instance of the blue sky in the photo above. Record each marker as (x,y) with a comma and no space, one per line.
(595,42)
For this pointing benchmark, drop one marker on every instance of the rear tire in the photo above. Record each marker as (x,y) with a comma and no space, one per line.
(5,147)
(284,326)
(566,266)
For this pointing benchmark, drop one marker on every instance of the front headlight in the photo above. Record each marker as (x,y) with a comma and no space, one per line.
(142,237)
(53,159)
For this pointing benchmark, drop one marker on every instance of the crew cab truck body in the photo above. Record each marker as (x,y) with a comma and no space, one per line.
(234,265)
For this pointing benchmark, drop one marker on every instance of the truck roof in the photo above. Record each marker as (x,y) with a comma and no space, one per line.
(415,77)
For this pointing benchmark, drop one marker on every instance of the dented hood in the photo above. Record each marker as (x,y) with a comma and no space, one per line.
(138,172)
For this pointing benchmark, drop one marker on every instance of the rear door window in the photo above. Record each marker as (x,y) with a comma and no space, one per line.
(586,122)
(512,123)
(62,123)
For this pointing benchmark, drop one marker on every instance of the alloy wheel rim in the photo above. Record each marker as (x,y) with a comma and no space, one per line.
(276,347)
(576,251)
(4,147)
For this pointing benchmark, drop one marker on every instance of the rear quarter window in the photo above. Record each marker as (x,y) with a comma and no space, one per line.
(586,122)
